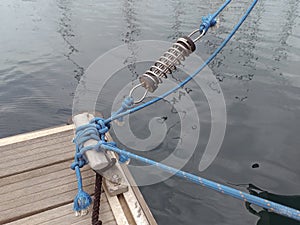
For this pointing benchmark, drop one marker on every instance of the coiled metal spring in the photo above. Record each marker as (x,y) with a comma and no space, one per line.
(166,64)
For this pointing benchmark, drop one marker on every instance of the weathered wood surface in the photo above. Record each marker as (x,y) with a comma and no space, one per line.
(64,215)
(37,185)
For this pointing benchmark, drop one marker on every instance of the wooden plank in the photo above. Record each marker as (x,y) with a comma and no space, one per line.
(29,146)
(129,215)
(41,172)
(89,223)
(25,189)
(106,218)
(37,182)
(65,215)
(117,209)
(37,186)
(60,193)
(56,149)
(34,135)
(29,194)
(36,165)
(37,155)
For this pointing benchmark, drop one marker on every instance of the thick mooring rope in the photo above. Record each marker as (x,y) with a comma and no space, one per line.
(97,200)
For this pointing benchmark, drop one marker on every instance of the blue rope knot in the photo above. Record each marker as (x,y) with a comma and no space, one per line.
(82,201)
(95,130)
(101,126)
(207,22)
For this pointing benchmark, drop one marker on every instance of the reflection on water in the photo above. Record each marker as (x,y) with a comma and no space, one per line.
(67,33)
(270,218)
(131,35)
(177,13)
(285,31)
(45,47)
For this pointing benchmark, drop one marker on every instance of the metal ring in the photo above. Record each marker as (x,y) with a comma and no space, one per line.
(142,98)
(196,31)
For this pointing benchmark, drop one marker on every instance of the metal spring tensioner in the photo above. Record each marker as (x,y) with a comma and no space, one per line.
(167,63)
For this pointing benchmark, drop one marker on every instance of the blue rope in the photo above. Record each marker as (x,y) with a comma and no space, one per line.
(264,203)
(98,127)
(220,9)
(95,130)
(210,20)
(126,104)
(237,26)
(83,200)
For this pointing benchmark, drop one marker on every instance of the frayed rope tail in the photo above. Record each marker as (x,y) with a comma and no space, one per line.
(82,200)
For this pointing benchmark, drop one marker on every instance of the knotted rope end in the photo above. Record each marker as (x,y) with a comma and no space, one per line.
(82,201)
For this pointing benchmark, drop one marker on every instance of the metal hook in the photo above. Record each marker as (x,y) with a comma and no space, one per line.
(142,98)
(196,31)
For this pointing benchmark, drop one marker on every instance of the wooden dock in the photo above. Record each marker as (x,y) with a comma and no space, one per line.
(37,185)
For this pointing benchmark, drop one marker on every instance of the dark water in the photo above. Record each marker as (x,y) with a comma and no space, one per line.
(46,46)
